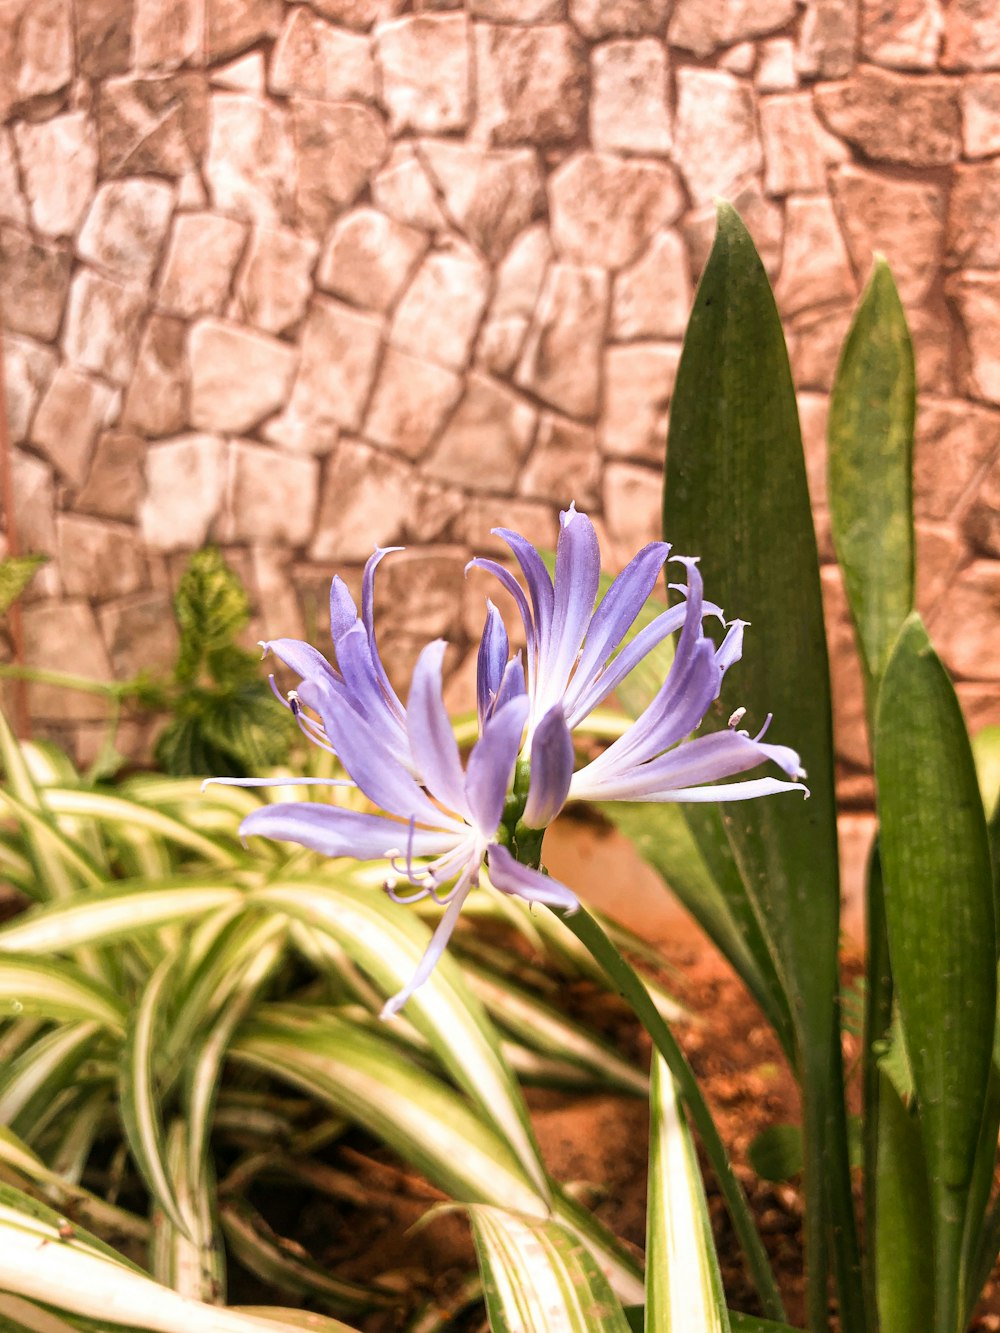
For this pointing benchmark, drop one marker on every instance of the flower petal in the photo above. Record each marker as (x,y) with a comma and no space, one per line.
(364,690)
(510,583)
(552,760)
(343,612)
(578,576)
(302,658)
(333,831)
(432,741)
(368,620)
(490,766)
(509,876)
(579,703)
(494,649)
(439,942)
(511,684)
(539,584)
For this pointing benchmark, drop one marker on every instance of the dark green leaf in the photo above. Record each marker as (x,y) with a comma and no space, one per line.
(776,1152)
(904,1245)
(211,609)
(16,572)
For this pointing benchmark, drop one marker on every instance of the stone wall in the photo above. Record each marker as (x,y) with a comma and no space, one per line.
(299,277)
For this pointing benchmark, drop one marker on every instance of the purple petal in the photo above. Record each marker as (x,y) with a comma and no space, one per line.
(578,576)
(730,650)
(509,876)
(618,608)
(432,741)
(552,761)
(511,684)
(364,691)
(491,764)
(333,831)
(368,620)
(539,583)
(343,612)
(511,585)
(302,658)
(578,704)
(494,648)
(439,942)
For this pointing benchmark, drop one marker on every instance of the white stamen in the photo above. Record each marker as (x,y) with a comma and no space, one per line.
(737,717)
(390,883)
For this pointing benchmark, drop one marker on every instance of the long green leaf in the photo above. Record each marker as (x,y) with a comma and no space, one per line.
(30,1081)
(941,929)
(193,1264)
(115,809)
(538,1277)
(52,988)
(736,496)
(904,1244)
(683,1285)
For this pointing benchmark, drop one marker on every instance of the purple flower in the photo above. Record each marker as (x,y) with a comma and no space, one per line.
(577,655)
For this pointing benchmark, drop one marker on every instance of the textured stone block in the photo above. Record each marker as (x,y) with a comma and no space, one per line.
(34,278)
(403,190)
(13,204)
(368,259)
(606,208)
(238,377)
(97,558)
(271,495)
(114,483)
(155,126)
(652,298)
(628,102)
(140,633)
(564,461)
(714,108)
(633,503)
(701,28)
(126,227)
(892,118)
(977,297)
(365,500)
(360,14)
(638,383)
(72,411)
(276,280)
(233,25)
(35,491)
(619,18)
(980,97)
(974,217)
(166,33)
(827,39)
(103,36)
(440,311)
(59,166)
(491,194)
(312,58)
(424,61)
(484,443)
(157,398)
(411,402)
(56,633)
(905,34)
(561,362)
(971,35)
(531,84)
(953,441)
(28,367)
(36,50)
(776,72)
(250,167)
(201,259)
(981,523)
(185,483)
(797,149)
(815,269)
(518,281)
(340,146)
(902,219)
(968,639)
(103,325)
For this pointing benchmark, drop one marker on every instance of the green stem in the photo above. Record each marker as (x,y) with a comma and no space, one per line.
(65,679)
(878,1016)
(630,986)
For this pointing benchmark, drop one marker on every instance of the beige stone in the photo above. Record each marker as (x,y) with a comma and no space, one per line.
(13,204)
(972,35)
(103,36)
(981,523)
(605,208)
(411,401)
(638,383)
(233,25)
(238,376)
(628,101)
(126,227)
(278,605)
(776,72)
(490,194)
(275,282)
(403,190)
(436,512)
(953,442)
(531,84)
(564,461)
(486,439)
(140,633)
(185,484)
(940,552)
(103,325)
(250,167)
(814,342)
(702,28)
(739,59)
(271,495)
(36,527)
(797,149)
(893,118)
(561,362)
(633,503)
(34,277)
(536,522)
(63,636)
(27,369)
(201,259)
(360,14)
(619,18)
(977,298)
(850,733)
(421,600)
(59,165)
(815,268)
(652,298)
(166,33)
(156,402)
(905,34)
(340,146)
(440,312)
(72,411)
(314,59)
(980,98)
(368,259)
(518,282)
(364,503)
(36,50)
(827,39)
(247,74)
(98,559)
(763,218)
(969,638)
(974,217)
(154,126)
(340,349)
(714,109)
(114,483)
(424,60)
(902,219)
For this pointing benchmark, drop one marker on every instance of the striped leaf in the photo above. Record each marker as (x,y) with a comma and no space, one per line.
(683,1284)
(30,1082)
(193,1263)
(539,1278)
(55,989)
(116,810)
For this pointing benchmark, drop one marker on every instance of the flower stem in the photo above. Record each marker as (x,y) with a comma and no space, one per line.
(630,986)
